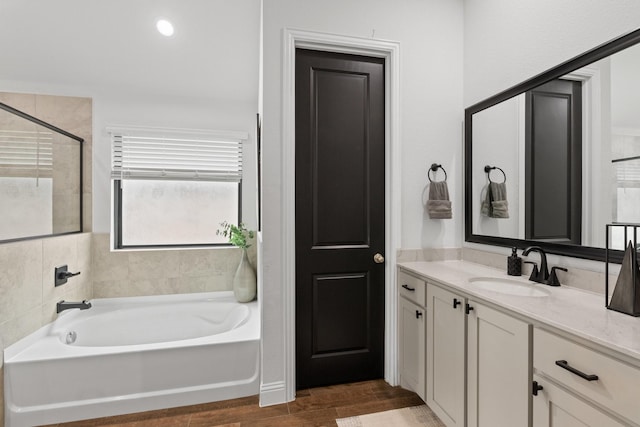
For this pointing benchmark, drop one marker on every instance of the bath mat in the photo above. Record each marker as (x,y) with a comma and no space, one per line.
(419,416)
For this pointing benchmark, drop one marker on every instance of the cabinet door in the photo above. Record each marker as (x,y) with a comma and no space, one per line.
(498,371)
(445,355)
(412,347)
(555,407)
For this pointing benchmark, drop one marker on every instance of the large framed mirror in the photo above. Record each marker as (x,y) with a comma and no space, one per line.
(552,160)
(40,178)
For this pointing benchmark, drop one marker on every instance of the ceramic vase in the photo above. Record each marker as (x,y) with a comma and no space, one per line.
(244,281)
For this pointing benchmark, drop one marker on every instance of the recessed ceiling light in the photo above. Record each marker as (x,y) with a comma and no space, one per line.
(164,27)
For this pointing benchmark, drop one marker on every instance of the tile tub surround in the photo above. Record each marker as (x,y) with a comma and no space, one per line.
(27,293)
(568,310)
(158,272)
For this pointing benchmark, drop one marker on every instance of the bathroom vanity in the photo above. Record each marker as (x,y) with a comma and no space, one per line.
(496,350)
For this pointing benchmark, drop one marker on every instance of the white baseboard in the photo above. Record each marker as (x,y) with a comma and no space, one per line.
(273,393)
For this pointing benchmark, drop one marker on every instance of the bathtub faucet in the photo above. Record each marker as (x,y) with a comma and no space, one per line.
(64,305)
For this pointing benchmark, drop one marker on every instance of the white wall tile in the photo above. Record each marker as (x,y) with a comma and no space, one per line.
(21,278)
(21,325)
(107,265)
(153,264)
(58,251)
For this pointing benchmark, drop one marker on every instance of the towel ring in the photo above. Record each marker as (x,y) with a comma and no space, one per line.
(488,170)
(434,167)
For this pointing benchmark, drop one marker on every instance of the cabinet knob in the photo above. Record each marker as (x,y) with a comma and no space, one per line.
(536,388)
(456,302)
(468,309)
(418,314)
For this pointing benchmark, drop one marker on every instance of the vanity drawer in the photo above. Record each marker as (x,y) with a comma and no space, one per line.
(412,288)
(616,387)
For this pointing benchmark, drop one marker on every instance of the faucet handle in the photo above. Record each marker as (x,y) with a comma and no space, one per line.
(553,277)
(534,272)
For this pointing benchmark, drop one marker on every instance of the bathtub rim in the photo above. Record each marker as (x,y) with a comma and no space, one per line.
(26,349)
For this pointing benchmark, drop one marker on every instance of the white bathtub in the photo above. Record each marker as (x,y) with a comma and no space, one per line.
(127,355)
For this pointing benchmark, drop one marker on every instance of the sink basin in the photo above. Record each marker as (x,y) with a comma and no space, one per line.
(509,287)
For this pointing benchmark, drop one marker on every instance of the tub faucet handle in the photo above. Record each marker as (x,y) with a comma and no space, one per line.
(62,273)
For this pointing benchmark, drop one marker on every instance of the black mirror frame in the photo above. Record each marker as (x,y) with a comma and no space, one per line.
(593,55)
(56,129)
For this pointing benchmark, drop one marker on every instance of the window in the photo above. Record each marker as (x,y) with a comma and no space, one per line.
(174,187)
(626,177)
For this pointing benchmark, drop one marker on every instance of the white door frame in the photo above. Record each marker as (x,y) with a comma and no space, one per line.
(390,51)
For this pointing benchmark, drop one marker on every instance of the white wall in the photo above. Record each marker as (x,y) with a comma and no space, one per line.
(625,89)
(497,133)
(507,42)
(430,37)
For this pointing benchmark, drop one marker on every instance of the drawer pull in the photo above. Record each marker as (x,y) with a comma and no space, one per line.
(565,365)
(407,287)
(456,302)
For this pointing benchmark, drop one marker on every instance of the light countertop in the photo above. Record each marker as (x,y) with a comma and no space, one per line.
(574,311)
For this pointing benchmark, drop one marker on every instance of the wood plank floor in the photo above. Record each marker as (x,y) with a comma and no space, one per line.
(313,407)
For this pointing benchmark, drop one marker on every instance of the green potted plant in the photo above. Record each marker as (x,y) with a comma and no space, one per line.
(244,280)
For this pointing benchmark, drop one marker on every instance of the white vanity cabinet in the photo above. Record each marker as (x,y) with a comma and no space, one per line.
(490,350)
(446,335)
(578,385)
(496,357)
(412,333)
(498,368)
(554,406)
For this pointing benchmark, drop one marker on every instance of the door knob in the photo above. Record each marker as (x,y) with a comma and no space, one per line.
(378,258)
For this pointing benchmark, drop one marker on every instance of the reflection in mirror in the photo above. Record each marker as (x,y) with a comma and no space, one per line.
(625,139)
(40,177)
(568,141)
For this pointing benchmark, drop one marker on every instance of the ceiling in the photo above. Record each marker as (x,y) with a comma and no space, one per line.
(113,45)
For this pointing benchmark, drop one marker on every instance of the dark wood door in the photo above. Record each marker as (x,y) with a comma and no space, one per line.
(553,162)
(339,218)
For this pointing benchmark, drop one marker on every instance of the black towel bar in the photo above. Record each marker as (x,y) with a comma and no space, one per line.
(434,168)
(488,170)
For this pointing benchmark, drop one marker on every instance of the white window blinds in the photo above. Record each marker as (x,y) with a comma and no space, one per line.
(625,151)
(628,172)
(176,154)
(26,153)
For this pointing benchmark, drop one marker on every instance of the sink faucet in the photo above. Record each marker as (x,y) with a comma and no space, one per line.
(64,305)
(542,275)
